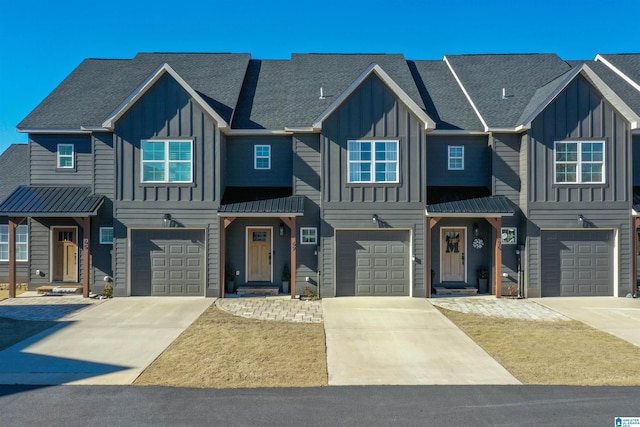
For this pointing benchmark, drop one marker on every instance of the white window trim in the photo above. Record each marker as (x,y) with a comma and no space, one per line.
(20,227)
(450,157)
(166,161)
(579,162)
(504,230)
(59,156)
(102,241)
(256,157)
(315,235)
(373,161)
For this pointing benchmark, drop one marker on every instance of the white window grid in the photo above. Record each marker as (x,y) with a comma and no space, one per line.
(106,235)
(308,235)
(65,156)
(262,157)
(22,243)
(455,159)
(580,159)
(171,161)
(373,161)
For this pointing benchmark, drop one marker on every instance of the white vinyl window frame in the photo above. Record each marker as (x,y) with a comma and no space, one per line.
(577,162)
(22,243)
(373,161)
(262,157)
(166,163)
(509,235)
(308,235)
(455,157)
(65,156)
(106,235)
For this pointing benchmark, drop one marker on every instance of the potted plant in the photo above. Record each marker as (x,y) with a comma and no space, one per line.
(286,278)
(482,275)
(230,277)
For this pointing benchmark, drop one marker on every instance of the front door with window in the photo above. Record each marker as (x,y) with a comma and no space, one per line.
(65,251)
(452,247)
(259,255)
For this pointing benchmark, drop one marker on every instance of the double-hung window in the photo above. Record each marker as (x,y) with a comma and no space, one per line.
(373,161)
(65,156)
(22,243)
(167,161)
(579,162)
(262,157)
(456,157)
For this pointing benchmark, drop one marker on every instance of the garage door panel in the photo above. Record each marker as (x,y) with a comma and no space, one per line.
(167,262)
(577,263)
(372,262)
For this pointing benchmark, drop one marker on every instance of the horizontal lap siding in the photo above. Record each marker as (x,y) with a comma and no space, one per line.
(43,154)
(101,255)
(241,170)
(477,161)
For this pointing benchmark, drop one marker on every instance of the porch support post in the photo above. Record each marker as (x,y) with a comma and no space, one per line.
(291,223)
(85,224)
(13,225)
(224,223)
(497,224)
(634,258)
(431,223)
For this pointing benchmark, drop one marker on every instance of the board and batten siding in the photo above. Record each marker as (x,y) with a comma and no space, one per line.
(241,170)
(579,112)
(477,161)
(372,112)
(43,152)
(306,182)
(167,111)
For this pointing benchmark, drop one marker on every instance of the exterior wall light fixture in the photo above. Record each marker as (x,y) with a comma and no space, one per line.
(374,219)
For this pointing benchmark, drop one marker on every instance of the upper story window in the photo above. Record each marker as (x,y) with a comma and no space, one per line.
(579,162)
(373,161)
(65,156)
(456,157)
(167,161)
(106,235)
(262,157)
(22,243)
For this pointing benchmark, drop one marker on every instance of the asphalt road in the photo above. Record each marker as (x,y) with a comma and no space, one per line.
(328,406)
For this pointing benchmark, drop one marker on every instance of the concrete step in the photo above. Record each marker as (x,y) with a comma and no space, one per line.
(466,290)
(258,290)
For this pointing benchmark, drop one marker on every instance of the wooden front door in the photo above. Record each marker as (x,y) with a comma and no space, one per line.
(259,255)
(452,248)
(65,251)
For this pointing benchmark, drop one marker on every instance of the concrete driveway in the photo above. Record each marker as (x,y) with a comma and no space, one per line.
(108,343)
(618,316)
(401,341)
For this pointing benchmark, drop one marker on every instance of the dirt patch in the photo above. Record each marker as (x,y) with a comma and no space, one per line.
(538,352)
(220,350)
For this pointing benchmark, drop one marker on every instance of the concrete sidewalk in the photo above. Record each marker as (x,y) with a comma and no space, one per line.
(618,316)
(107,343)
(401,341)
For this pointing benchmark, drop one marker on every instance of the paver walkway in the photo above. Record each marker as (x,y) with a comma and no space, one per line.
(501,307)
(282,309)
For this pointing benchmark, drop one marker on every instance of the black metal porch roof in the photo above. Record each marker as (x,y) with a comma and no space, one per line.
(290,206)
(51,201)
(479,206)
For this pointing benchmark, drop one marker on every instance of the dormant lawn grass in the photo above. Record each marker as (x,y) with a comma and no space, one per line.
(562,352)
(220,350)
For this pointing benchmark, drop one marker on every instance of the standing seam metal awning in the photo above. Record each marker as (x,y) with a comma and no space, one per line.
(490,206)
(283,206)
(51,202)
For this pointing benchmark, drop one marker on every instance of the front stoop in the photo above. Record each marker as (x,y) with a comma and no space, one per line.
(458,290)
(258,290)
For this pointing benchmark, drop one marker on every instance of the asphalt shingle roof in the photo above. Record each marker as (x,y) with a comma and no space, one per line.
(628,63)
(51,201)
(14,168)
(624,90)
(98,86)
(484,77)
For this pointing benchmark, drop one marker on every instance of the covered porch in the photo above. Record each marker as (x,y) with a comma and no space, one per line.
(67,212)
(258,244)
(464,243)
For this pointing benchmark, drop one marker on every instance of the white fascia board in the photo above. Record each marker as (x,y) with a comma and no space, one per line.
(429,123)
(466,94)
(618,72)
(503,130)
(94,128)
(257,132)
(45,130)
(148,83)
(526,124)
(457,132)
(301,129)
(634,212)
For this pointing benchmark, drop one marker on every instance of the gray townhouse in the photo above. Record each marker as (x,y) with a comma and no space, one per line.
(173,173)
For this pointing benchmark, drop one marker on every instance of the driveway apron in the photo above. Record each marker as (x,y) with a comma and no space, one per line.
(110,343)
(401,341)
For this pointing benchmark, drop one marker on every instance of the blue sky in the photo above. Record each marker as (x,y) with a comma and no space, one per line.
(41,42)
